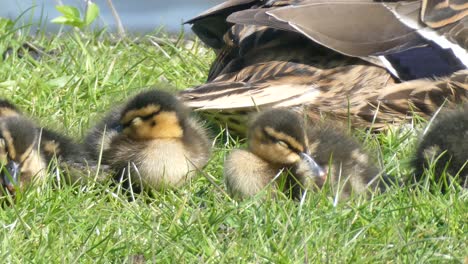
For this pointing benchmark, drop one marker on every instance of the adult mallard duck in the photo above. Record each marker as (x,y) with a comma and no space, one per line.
(343,59)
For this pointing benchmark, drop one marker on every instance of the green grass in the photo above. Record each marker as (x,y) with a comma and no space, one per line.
(87,74)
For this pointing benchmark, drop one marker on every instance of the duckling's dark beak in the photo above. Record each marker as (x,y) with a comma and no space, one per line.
(10,175)
(314,167)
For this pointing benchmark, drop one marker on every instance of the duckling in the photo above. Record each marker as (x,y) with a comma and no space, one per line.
(279,140)
(153,135)
(444,147)
(21,160)
(293,53)
(52,145)
(8,109)
(276,142)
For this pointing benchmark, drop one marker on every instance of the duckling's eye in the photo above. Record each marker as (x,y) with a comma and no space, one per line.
(149,116)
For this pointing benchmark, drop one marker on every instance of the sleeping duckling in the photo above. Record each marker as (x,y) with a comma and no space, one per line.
(52,145)
(276,142)
(279,140)
(154,136)
(21,160)
(444,147)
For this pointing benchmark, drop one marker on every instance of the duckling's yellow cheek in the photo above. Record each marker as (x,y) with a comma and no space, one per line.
(167,125)
(275,153)
(33,168)
(3,154)
(292,158)
(162,125)
(7,112)
(3,160)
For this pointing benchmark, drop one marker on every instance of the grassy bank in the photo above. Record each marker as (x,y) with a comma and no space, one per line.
(82,75)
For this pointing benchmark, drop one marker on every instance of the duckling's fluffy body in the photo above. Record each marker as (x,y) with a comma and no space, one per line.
(30,147)
(246,174)
(445,144)
(349,167)
(21,159)
(276,140)
(154,137)
(279,142)
(52,143)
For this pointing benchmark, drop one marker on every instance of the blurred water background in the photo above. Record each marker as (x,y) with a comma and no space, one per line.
(137,16)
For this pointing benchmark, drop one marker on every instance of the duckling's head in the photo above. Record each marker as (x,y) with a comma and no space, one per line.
(18,140)
(8,109)
(278,136)
(153,115)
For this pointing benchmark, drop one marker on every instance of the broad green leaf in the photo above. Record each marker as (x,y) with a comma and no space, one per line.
(91,13)
(60,20)
(68,11)
(75,22)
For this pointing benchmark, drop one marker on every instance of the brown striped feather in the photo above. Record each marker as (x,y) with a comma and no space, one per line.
(264,63)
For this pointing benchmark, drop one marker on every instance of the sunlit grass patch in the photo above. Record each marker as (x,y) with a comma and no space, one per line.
(81,76)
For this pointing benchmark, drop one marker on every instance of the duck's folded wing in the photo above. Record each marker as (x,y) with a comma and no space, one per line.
(211,25)
(366,106)
(355,28)
(399,102)
(393,31)
(241,95)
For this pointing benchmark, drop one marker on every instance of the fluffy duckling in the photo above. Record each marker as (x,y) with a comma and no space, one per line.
(52,144)
(276,141)
(20,157)
(153,135)
(444,147)
(49,144)
(279,139)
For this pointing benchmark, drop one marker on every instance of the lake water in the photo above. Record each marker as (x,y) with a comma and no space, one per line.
(138,16)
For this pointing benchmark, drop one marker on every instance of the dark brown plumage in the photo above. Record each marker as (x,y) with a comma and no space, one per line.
(153,139)
(443,149)
(340,59)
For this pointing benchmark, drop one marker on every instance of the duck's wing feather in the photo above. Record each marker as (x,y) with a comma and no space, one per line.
(390,31)
(211,25)
(367,103)
(355,28)
(437,13)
